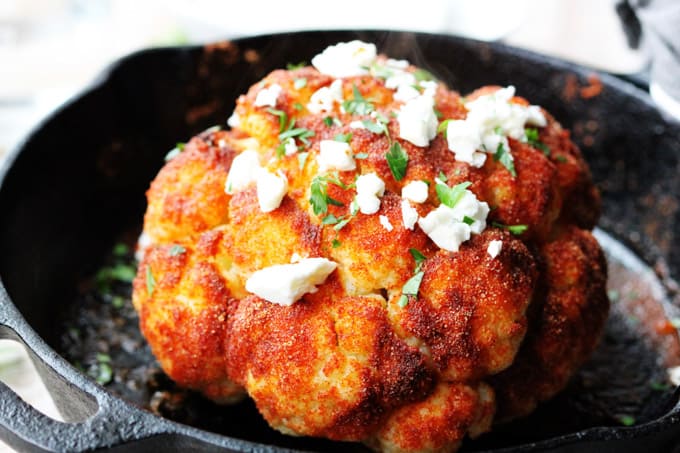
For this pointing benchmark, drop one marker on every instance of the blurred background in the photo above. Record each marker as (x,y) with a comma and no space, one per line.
(50,49)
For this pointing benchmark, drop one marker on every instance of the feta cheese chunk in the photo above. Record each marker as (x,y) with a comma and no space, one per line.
(445,230)
(334,155)
(242,172)
(271,188)
(234,121)
(494,248)
(356,124)
(449,227)
(491,119)
(409,215)
(416,191)
(267,96)
(417,121)
(674,375)
(369,188)
(385,222)
(345,59)
(284,284)
(324,99)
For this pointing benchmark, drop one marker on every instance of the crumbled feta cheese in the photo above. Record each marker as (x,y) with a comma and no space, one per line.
(242,172)
(444,228)
(324,99)
(271,188)
(416,191)
(674,375)
(490,120)
(290,148)
(450,227)
(406,93)
(143,242)
(399,78)
(345,59)
(234,120)
(409,215)
(267,96)
(397,64)
(494,248)
(417,121)
(284,284)
(430,87)
(369,188)
(295,257)
(357,125)
(385,222)
(334,155)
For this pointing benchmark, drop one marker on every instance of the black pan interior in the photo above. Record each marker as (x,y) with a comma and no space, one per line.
(77,187)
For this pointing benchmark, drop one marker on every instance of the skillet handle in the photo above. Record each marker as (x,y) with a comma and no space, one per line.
(94,418)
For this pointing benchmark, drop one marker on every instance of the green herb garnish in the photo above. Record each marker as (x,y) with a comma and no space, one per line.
(121,250)
(345,138)
(300,83)
(294,66)
(514,229)
(302,159)
(627,420)
(176,249)
(358,105)
(179,147)
(450,196)
(298,106)
(328,121)
(397,160)
(335,244)
(319,198)
(441,129)
(283,118)
(423,75)
(150,281)
(533,140)
(505,158)
(361,156)
(418,257)
(468,220)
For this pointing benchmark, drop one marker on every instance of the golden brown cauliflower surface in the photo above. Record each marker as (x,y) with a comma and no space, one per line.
(372,257)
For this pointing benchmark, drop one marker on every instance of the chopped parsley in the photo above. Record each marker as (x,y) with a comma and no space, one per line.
(412,286)
(376,128)
(450,196)
(505,158)
(442,177)
(514,229)
(300,133)
(358,105)
(179,147)
(176,250)
(531,134)
(328,121)
(298,106)
(361,156)
(627,420)
(423,75)
(397,160)
(335,244)
(345,138)
(441,129)
(150,281)
(319,198)
(468,220)
(300,83)
(660,386)
(330,219)
(120,250)
(302,159)
(283,118)
(561,159)
(294,66)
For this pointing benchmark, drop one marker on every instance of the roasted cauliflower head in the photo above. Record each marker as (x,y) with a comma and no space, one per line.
(371,257)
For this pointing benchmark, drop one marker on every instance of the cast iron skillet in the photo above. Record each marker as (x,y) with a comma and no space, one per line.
(79,179)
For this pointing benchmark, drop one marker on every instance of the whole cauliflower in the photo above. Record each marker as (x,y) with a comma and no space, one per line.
(372,257)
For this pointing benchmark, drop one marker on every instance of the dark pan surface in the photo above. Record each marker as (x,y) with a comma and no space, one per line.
(76,187)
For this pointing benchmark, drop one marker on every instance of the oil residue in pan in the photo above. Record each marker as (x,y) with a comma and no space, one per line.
(626,382)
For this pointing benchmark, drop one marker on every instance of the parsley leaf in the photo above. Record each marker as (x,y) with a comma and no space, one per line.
(358,105)
(361,156)
(450,196)
(150,281)
(418,257)
(300,83)
(300,133)
(346,138)
(330,219)
(441,129)
(298,106)
(442,177)
(468,220)
(176,249)
(294,66)
(179,147)
(335,244)
(505,158)
(318,196)
(328,121)
(397,160)
(283,118)
(514,229)
(376,128)
(531,134)
(302,159)
(411,288)
(423,75)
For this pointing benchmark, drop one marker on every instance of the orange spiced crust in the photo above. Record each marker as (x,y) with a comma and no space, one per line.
(357,359)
